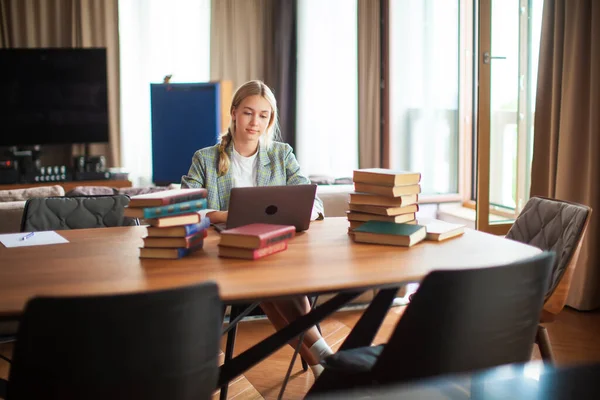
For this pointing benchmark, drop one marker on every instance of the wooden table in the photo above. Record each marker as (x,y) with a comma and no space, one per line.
(320,260)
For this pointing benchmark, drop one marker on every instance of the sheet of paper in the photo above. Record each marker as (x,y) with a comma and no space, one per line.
(37,239)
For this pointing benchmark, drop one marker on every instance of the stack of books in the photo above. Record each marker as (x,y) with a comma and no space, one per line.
(176,225)
(255,241)
(383,195)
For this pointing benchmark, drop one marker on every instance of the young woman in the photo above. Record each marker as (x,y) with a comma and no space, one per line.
(248,155)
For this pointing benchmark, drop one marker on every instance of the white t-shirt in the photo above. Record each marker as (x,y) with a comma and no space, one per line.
(244,171)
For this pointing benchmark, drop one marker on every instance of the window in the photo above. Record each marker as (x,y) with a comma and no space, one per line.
(424,85)
(515,37)
(157,38)
(431,81)
(327,88)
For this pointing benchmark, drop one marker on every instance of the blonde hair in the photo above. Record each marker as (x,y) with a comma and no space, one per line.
(251,88)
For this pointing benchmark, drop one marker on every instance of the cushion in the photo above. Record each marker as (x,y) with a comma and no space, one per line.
(57,213)
(107,191)
(321,179)
(551,225)
(361,359)
(91,191)
(143,190)
(25,194)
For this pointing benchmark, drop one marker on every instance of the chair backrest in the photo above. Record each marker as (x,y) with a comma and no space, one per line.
(152,345)
(59,213)
(559,226)
(464,320)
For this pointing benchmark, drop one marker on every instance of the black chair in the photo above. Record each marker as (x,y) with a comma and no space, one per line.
(151,345)
(459,321)
(59,213)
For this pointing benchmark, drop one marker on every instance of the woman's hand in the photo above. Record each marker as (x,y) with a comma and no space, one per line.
(216,217)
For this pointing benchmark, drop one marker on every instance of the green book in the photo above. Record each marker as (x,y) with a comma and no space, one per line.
(384,232)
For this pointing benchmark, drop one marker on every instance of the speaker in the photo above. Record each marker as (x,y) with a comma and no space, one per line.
(89,164)
(9,172)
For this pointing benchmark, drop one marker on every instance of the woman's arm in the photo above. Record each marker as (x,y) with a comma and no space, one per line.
(294,177)
(196,178)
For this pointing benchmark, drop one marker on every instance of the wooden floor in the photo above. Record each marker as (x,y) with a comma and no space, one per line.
(574,339)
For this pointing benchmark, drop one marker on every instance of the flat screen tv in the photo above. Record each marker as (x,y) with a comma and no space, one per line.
(53,96)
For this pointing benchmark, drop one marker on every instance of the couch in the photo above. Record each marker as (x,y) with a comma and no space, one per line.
(12,202)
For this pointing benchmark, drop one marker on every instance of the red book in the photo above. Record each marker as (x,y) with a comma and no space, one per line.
(252,254)
(256,236)
(166,197)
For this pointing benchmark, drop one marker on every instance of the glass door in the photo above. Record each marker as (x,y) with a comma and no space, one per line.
(507,70)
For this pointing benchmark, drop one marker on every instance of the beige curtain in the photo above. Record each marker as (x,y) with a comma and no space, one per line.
(369,78)
(565,162)
(238,36)
(70,23)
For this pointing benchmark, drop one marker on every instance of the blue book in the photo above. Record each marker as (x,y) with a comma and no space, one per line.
(166,211)
(179,231)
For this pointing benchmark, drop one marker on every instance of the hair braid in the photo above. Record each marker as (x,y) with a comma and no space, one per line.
(224,161)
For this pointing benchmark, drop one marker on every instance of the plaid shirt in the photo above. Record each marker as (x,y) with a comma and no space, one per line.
(277,166)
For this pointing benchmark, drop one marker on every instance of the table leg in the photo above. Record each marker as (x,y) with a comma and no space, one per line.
(370,321)
(235,316)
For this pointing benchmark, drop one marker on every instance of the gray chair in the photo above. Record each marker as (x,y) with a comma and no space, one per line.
(160,344)
(558,226)
(459,321)
(60,213)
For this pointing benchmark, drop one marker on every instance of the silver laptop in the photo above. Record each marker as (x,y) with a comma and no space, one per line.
(283,205)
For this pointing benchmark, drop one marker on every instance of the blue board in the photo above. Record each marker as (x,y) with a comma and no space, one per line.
(185,118)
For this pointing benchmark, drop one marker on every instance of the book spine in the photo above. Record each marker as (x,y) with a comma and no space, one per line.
(268,241)
(184,251)
(203,224)
(265,251)
(175,209)
(192,241)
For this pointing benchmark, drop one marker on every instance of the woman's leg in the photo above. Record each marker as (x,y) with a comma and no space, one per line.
(295,308)
(279,321)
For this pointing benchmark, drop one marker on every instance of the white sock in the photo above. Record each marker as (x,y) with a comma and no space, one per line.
(316,369)
(320,349)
